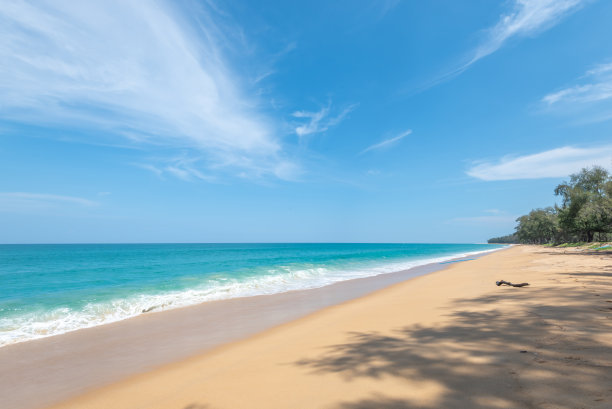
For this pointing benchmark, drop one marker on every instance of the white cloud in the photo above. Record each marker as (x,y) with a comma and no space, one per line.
(528,17)
(387,142)
(132,67)
(319,121)
(185,173)
(582,94)
(554,163)
(600,69)
(10,201)
(182,167)
(187,168)
(592,98)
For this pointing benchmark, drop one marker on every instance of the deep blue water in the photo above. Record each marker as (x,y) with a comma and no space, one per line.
(52,289)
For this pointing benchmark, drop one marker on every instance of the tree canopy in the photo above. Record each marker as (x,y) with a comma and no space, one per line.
(508,239)
(585,212)
(539,226)
(587,203)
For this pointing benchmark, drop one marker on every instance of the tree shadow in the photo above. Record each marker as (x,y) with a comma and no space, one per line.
(378,402)
(588,274)
(545,353)
(571,251)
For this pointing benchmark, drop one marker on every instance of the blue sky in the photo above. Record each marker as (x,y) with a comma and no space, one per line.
(346,121)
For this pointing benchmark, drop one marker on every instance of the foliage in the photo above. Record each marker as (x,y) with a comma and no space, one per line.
(508,239)
(585,213)
(587,203)
(538,227)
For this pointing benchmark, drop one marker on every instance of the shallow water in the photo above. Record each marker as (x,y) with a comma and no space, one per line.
(53,289)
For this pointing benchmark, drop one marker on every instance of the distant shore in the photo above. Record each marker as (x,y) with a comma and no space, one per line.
(450,338)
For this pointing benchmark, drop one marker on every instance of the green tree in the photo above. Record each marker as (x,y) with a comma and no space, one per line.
(508,239)
(586,208)
(538,227)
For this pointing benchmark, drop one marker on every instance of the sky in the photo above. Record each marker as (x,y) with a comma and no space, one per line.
(272,121)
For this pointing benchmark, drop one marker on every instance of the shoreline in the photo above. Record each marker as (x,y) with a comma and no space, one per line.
(142,343)
(154,303)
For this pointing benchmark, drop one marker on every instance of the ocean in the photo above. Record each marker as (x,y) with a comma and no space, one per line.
(49,289)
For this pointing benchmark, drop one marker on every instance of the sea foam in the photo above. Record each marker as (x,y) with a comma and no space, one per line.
(47,322)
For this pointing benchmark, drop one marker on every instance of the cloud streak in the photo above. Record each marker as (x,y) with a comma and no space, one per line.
(592,97)
(24,201)
(132,68)
(319,121)
(387,142)
(554,163)
(526,18)
(184,168)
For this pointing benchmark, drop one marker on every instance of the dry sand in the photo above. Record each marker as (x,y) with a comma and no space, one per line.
(449,339)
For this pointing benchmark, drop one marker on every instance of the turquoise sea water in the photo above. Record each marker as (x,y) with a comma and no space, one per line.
(52,289)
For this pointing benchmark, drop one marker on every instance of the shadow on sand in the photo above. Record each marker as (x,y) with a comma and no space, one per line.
(519,353)
(544,346)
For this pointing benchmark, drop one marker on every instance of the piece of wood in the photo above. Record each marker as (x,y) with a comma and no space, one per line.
(500,282)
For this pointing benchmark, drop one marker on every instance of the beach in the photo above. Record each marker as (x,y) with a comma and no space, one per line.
(450,338)
(306,205)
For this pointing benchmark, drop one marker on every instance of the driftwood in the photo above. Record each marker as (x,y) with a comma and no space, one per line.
(500,282)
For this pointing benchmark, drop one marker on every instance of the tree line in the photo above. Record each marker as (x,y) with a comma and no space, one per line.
(585,213)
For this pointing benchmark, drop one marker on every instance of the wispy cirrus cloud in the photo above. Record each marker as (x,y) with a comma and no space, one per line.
(591,96)
(319,121)
(182,167)
(10,201)
(188,169)
(525,18)
(528,17)
(133,68)
(387,142)
(559,162)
